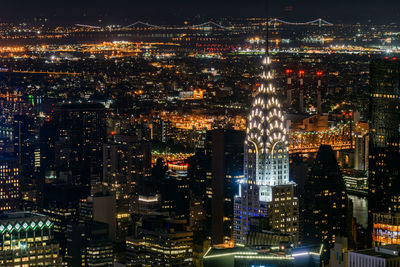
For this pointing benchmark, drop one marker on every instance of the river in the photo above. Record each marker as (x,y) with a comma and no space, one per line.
(360,209)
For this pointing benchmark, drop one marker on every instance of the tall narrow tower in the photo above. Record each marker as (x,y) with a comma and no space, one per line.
(319,75)
(301,94)
(265,190)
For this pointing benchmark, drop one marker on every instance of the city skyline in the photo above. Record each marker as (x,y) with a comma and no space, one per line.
(205,134)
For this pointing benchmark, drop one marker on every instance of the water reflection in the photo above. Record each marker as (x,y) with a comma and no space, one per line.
(360,209)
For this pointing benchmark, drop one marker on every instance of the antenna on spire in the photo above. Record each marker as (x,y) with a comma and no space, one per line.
(267,29)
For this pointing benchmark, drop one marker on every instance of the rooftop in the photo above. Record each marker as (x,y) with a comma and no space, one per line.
(387,251)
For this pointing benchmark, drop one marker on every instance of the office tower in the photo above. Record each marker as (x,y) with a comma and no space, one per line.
(61,204)
(126,164)
(200,175)
(266,190)
(80,137)
(160,129)
(88,244)
(10,183)
(100,207)
(47,138)
(27,151)
(325,203)
(227,170)
(27,240)
(175,197)
(160,241)
(214,173)
(386,228)
(384,167)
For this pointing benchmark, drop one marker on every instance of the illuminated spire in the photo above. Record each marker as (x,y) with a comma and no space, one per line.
(266,142)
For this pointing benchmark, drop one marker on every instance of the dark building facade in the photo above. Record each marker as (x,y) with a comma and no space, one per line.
(227,169)
(88,245)
(325,204)
(61,205)
(384,167)
(126,165)
(214,172)
(81,131)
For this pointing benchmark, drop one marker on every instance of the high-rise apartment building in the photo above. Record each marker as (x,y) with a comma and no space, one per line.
(266,190)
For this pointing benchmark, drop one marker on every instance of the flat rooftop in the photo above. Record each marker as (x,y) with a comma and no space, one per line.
(19,215)
(387,251)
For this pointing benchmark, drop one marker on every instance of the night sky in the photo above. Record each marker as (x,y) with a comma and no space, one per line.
(174,11)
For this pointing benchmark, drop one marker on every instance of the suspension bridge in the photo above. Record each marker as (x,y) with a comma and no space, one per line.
(209,24)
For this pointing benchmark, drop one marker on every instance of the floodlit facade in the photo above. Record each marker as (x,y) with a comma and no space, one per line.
(266,190)
(27,240)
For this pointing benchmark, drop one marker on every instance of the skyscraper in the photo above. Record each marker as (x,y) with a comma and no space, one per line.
(88,244)
(126,163)
(325,203)
(266,190)
(10,184)
(384,167)
(214,172)
(227,169)
(80,136)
